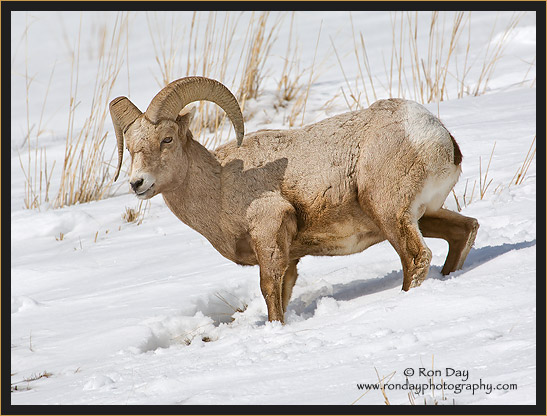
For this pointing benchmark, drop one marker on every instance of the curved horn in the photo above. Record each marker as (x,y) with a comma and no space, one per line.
(176,95)
(123,113)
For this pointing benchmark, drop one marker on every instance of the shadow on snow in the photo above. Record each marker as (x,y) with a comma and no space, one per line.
(359,288)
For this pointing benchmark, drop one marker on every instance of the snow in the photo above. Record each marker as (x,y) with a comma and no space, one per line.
(119,313)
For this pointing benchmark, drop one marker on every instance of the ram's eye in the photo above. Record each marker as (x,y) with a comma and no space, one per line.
(167,140)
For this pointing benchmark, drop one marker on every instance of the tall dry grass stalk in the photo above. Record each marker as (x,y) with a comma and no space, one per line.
(261,40)
(521,172)
(292,89)
(206,48)
(211,126)
(494,51)
(311,78)
(36,173)
(421,70)
(85,174)
(165,46)
(289,84)
(484,183)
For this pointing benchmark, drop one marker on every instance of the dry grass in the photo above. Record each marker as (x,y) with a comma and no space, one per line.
(36,173)
(189,336)
(521,172)
(458,205)
(366,63)
(484,183)
(292,92)
(236,309)
(434,401)
(493,55)
(468,199)
(85,173)
(428,73)
(421,71)
(300,97)
(305,99)
(209,59)
(381,384)
(261,40)
(135,215)
(210,125)
(16,386)
(207,46)
(289,83)
(97,236)
(165,46)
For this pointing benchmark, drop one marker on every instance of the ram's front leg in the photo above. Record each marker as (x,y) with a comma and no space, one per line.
(273,227)
(271,285)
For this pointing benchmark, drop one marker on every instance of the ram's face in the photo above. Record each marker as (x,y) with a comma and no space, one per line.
(158,157)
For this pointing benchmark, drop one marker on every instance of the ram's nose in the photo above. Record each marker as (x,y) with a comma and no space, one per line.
(136,184)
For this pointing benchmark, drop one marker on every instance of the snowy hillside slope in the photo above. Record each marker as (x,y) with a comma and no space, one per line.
(109,312)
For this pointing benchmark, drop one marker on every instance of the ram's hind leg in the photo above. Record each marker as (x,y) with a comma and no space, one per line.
(402,231)
(398,223)
(459,231)
(404,235)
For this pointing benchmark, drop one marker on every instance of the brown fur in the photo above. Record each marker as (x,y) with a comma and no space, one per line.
(332,188)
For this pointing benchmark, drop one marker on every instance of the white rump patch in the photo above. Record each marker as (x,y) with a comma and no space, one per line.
(424,129)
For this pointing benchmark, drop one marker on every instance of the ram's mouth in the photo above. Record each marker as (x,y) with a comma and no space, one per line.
(146,194)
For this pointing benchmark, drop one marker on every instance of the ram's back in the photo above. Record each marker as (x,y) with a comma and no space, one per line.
(300,163)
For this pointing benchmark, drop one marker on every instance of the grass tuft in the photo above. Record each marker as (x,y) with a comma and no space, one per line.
(16,385)
(135,215)
(236,309)
(521,172)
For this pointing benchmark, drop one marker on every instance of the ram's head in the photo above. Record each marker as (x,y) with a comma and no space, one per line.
(157,139)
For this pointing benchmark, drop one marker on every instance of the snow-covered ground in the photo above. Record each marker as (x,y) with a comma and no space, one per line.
(109,312)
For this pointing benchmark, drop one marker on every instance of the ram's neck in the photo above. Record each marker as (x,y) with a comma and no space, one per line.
(197,200)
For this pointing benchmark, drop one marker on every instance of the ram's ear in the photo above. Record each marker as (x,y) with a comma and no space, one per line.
(184,118)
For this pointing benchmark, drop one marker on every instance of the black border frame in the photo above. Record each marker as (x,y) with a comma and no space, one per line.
(8,6)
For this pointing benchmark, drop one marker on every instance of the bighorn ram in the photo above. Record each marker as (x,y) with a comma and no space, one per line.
(332,188)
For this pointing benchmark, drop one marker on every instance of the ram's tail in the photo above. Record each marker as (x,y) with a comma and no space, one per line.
(457,153)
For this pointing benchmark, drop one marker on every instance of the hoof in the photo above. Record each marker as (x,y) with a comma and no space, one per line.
(420,270)
(468,244)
